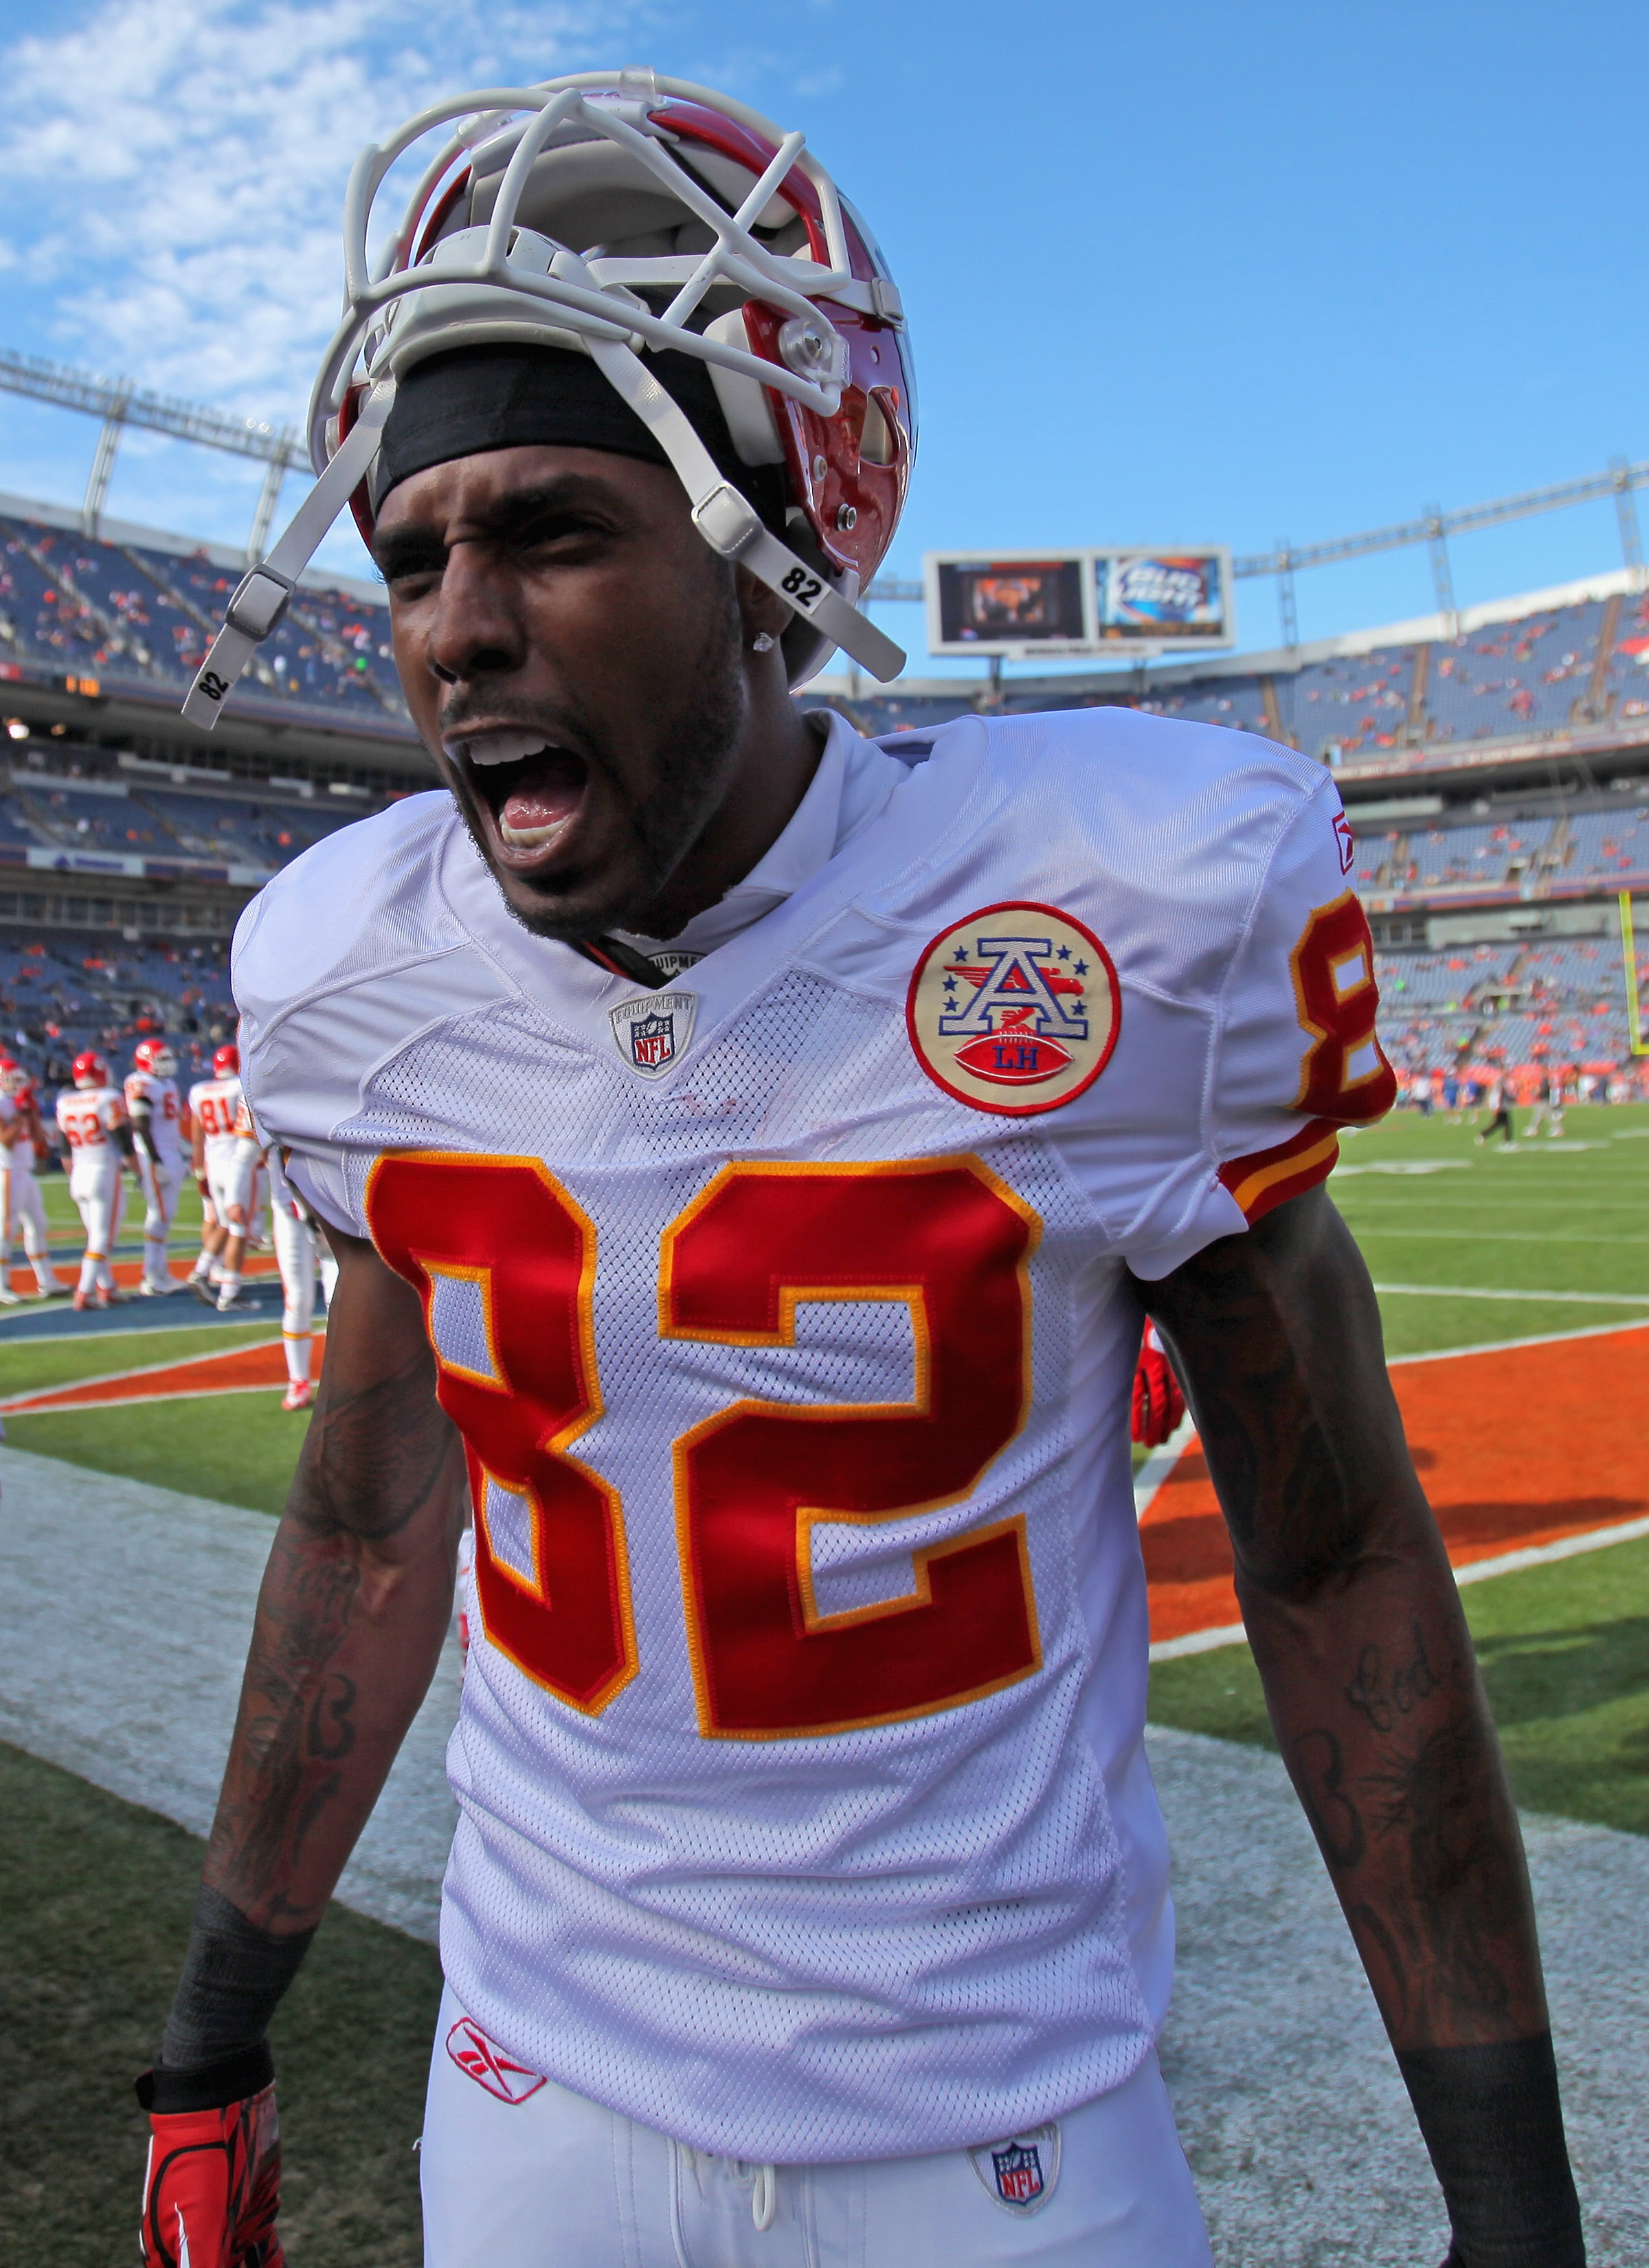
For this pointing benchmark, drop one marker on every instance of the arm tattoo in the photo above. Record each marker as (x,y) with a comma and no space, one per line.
(378,1455)
(374,1454)
(1356,1626)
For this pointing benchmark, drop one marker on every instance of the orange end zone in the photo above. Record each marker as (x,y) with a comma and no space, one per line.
(238,1370)
(128,1273)
(1515,1446)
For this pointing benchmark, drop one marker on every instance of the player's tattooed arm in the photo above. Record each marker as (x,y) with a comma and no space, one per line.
(1355,1624)
(354,1605)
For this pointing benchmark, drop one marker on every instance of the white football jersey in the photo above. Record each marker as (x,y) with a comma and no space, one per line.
(787,1315)
(16,1139)
(165,1114)
(87,1117)
(214,1105)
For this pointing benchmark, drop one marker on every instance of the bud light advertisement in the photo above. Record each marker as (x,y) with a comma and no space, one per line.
(1170,596)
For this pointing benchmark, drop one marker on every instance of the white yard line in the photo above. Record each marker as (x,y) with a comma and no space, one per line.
(1485,1292)
(144,1370)
(1477,1571)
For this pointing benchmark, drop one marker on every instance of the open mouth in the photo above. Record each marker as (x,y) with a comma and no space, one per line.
(531,788)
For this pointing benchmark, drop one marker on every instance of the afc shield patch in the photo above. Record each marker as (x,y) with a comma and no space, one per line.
(1015,1009)
(652,1032)
(485,2062)
(1346,843)
(1020,2173)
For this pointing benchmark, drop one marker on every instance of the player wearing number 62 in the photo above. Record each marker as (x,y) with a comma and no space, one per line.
(752,1151)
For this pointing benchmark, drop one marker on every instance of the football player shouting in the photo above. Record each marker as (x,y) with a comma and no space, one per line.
(752,1151)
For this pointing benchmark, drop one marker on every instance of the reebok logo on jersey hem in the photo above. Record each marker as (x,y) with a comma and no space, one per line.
(1015,1009)
(483,2060)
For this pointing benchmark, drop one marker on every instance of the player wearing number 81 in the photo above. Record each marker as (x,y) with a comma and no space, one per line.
(751,1152)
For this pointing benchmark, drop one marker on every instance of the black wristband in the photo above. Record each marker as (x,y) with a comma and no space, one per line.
(1493,2125)
(233,1977)
(208,2087)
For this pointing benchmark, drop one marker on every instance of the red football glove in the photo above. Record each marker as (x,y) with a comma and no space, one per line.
(1159,1405)
(212,2186)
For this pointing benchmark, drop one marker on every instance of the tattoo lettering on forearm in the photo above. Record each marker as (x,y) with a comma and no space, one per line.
(374,1458)
(1383,1699)
(1441,1908)
(331,1734)
(270,1792)
(1320,1776)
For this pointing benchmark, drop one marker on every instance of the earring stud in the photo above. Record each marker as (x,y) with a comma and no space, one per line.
(763,642)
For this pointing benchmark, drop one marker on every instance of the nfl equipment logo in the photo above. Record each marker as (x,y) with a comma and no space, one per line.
(1020,2172)
(651,1034)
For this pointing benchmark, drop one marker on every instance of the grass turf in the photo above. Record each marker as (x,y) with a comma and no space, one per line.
(1565,1650)
(33,1365)
(83,1989)
(241,1448)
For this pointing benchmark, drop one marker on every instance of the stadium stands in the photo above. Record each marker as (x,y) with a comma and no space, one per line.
(132,845)
(140,617)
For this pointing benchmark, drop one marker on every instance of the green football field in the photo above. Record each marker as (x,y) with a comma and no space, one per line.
(1471,1247)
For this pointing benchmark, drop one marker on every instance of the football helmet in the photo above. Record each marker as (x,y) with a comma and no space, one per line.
(226,1062)
(155,1056)
(611,212)
(14,1079)
(89,1070)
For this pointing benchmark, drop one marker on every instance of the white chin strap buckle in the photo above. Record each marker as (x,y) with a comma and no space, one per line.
(264,593)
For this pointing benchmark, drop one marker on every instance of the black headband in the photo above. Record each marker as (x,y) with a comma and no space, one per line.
(474,399)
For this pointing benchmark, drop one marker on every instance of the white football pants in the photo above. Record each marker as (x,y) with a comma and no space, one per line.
(23,1210)
(161,1203)
(294,1256)
(553,2180)
(98,1191)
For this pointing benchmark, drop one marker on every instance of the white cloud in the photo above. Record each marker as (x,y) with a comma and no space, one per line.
(174,169)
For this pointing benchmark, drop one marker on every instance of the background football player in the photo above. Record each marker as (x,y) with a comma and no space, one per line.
(160,1126)
(224,1155)
(22,1209)
(751,1151)
(91,1116)
(297,1247)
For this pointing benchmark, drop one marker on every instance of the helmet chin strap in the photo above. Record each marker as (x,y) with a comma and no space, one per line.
(262,595)
(729,522)
(725,519)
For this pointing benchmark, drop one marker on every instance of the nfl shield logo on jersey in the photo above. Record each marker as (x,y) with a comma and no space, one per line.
(1020,2173)
(652,1034)
(1014,1009)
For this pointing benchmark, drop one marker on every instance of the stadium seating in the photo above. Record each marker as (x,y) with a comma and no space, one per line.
(74,602)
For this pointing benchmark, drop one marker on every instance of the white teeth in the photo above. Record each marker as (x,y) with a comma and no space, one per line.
(496,747)
(531,838)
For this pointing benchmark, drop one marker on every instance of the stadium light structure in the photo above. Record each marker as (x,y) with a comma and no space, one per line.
(118,403)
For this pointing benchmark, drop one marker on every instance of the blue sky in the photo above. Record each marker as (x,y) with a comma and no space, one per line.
(1173,275)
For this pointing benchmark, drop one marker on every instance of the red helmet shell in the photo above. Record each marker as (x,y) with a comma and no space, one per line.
(90,1069)
(226,1063)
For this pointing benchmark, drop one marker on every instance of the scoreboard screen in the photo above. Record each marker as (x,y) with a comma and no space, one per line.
(1023,603)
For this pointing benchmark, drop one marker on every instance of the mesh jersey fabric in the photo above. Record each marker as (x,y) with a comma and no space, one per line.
(906,1935)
